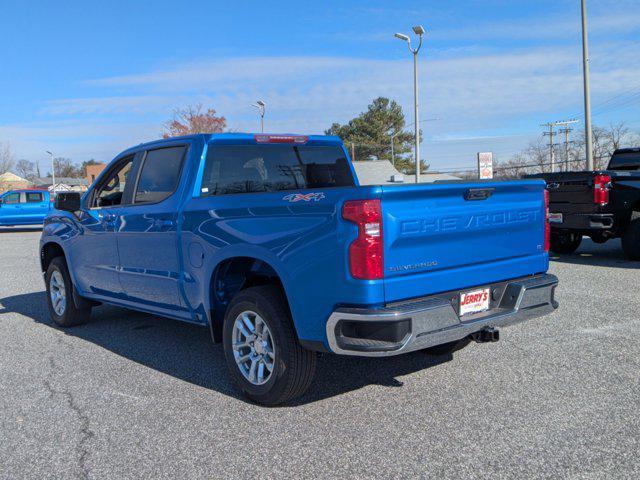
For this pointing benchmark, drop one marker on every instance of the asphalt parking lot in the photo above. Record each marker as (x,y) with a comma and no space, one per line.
(135,396)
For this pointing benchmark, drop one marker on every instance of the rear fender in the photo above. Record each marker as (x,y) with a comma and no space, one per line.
(269,260)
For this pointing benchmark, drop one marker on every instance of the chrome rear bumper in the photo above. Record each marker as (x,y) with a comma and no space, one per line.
(426,322)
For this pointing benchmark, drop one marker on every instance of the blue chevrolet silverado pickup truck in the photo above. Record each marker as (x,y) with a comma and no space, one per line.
(270,242)
(24,207)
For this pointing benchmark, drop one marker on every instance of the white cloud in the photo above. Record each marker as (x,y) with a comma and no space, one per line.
(545,29)
(475,94)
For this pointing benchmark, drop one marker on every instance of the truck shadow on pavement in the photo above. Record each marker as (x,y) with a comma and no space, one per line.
(20,229)
(609,254)
(186,351)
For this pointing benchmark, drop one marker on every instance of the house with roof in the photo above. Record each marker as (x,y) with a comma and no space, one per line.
(382,172)
(63,184)
(11,181)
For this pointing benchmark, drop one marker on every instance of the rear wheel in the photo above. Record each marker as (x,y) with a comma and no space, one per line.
(62,308)
(262,350)
(565,242)
(631,238)
(448,348)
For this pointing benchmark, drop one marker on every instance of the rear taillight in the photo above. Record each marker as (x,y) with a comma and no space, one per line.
(547,225)
(366,257)
(601,185)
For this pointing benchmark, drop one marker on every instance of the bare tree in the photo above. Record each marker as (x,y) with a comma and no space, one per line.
(7,160)
(518,165)
(535,158)
(66,168)
(26,169)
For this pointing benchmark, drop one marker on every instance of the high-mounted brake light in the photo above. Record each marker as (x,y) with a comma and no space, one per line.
(601,184)
(547,225)
(297,139)
(366,256)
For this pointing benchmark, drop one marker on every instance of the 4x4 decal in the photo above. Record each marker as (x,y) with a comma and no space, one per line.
(303,197)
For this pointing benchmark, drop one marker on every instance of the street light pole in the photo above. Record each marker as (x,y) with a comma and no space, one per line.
(587,88)
(53,174)
(260,105)
(393,136)
(393,157)
(418,30)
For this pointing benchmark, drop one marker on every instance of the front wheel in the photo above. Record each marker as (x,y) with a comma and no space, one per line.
(262,350)
(565,242)
(62,308)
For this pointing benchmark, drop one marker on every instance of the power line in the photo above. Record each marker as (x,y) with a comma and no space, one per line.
(509,167)
(621,100)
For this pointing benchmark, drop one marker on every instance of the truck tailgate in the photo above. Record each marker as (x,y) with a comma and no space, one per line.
(570,190)
(439,237)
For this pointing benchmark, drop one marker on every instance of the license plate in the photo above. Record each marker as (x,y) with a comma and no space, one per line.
(474,302)
(555,218)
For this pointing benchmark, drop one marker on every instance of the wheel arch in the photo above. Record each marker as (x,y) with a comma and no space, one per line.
(48,252)
(234,274)
(51,250)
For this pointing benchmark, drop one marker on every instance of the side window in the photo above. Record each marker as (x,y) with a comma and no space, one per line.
(34,197)
(111,191)
(159,175)
(11,198)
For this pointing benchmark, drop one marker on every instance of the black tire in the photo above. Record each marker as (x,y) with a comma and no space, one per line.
(447,348)
(70,316)
(631,238)
(565,243)
(599,238)
(293,366)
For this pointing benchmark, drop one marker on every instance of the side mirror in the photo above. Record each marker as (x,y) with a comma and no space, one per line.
(67,201)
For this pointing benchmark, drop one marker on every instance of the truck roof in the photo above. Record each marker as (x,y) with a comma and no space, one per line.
(627,150)
(244,138)
(24,190)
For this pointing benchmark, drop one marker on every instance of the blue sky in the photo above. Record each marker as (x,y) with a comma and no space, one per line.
(88,79)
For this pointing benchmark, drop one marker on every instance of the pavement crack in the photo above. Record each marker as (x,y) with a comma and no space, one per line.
(85,434)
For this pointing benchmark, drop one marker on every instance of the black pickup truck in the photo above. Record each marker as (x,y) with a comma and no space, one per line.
(603,204)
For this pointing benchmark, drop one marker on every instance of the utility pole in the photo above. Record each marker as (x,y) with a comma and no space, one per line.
(566,132)
(551,133)
(587,88)
(353,152)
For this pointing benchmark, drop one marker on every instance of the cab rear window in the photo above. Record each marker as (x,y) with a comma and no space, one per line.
(270,168)
(625,161)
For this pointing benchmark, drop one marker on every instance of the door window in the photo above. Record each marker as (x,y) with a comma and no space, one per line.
(34,197)
(111,192)
(11,198)
(160,174)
